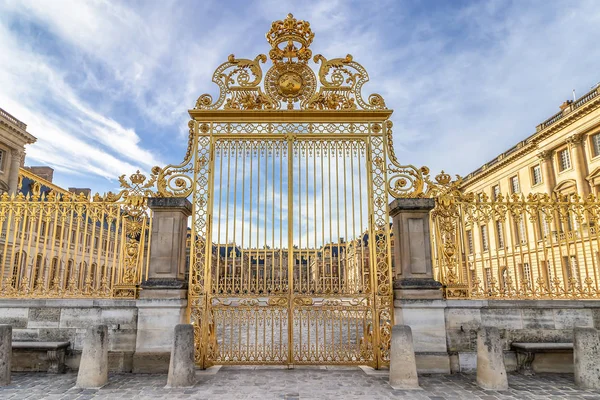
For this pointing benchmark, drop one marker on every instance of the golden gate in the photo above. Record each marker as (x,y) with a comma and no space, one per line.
(290,258)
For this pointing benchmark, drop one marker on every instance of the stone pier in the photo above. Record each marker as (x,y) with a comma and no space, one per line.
(163,299)
(418,300)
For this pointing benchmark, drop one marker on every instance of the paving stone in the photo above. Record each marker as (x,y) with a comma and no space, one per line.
(234,383)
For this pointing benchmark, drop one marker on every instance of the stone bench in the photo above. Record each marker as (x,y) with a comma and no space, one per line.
(526,353)
(39,356)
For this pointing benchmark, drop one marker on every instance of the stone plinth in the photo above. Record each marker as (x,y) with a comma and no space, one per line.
(413,269)
(162,302)
(491,373)
(156,320)
(169,234)
(93,369)
(586,357)
(5,354)
(403,366)
(427,321)
(182,371)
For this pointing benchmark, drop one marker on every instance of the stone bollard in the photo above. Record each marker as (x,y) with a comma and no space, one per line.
(5,354)
(586,356)
(182,370)
(93,368)
(403,367)
(491,372)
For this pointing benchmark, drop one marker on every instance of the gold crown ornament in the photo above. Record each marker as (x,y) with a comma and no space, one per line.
(290,32)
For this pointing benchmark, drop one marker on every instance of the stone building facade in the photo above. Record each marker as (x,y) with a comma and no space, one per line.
(13,138)
(536,250)
(562,156)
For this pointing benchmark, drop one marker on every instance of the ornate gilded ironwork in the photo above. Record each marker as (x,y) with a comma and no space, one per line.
(67,245)
(290,80)
(517,246)
(290,257)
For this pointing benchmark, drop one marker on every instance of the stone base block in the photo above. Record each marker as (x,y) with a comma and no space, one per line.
(30,361)
(433,363)
(417,289)
(553,363)
(151,362)
(120,361)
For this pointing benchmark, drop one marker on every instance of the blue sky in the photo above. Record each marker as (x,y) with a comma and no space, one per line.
(105,86)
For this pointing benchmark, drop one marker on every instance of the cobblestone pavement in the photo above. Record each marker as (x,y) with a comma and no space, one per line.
(313,383)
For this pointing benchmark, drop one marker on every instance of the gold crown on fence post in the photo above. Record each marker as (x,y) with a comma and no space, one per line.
(137,178)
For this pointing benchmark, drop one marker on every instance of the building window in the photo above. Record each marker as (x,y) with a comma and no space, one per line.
(500,233)
(526,274)
(484,238)
(2,160)
(547,273)
(520,230)
(514,184)
(536,175)
(488,277)
(543,225)
(595,144)
(496,191)
(564,160)
(470,241)
(574,269)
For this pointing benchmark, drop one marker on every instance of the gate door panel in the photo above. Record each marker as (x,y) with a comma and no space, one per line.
(330,307)
(250,256)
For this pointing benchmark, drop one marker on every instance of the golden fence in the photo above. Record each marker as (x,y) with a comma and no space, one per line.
(66,245)
(516,247)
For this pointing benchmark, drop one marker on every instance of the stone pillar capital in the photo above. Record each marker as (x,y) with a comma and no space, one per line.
(180,204)
(411,205)
(545,155)
(16,153)
(575,140)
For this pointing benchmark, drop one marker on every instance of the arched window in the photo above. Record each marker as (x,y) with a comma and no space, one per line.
(93,274)
(68,273)
(37,273)
(82,274)
(53,272)
(18,268)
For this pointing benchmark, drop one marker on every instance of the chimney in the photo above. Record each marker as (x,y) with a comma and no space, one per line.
(86,191)
(43,172)
(566,104)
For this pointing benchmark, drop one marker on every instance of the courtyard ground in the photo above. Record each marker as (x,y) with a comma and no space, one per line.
(299,383)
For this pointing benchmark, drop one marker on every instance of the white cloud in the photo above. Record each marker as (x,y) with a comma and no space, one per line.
(471,80)
(71,134)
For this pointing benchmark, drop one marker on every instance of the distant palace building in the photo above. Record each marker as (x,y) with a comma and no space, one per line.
(562,156)
(528,244)
(47,248)
(13,138)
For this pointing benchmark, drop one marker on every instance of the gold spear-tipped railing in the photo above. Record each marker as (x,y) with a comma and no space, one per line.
(516,247)
(55,245)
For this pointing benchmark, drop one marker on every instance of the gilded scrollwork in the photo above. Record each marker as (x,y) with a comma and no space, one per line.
(239,85)
(408,181)
(175,180)
(290,80)
(341,86)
